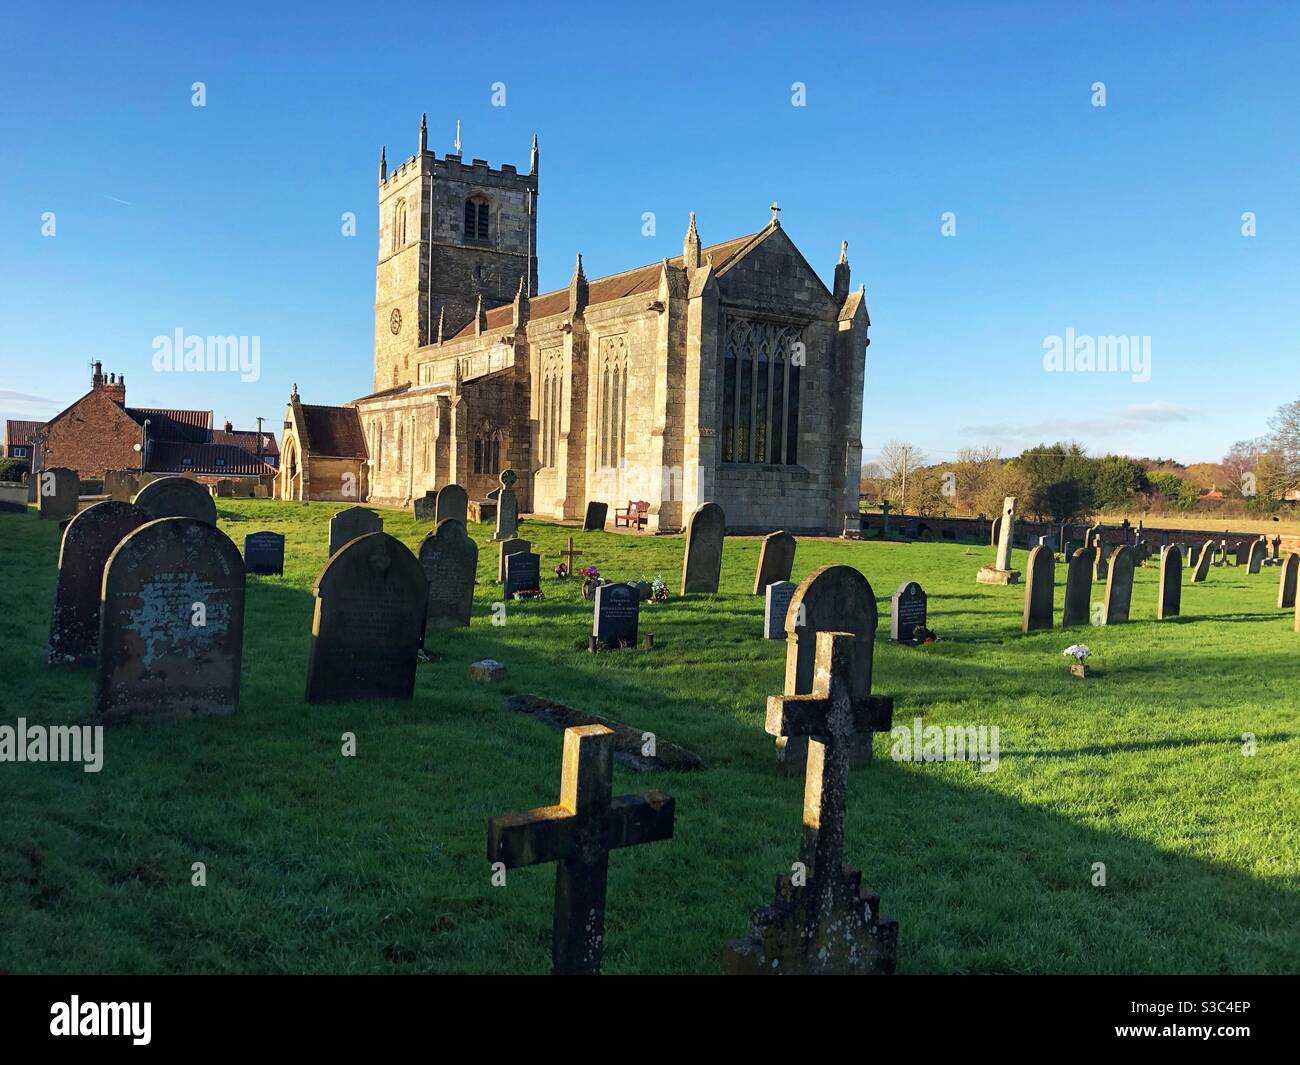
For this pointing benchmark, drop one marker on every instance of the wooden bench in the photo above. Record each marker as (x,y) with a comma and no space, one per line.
(635,513)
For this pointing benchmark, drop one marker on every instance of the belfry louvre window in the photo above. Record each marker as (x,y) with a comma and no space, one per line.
(760,392)
(476,219)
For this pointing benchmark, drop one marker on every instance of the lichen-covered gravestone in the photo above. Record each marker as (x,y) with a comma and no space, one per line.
(449,558)
(264,553)
(907,610)
(1040,589)
(775,560)
(702,559)
(424,507)
(776,603)
(578,834)
(507,507)
(504,550)
(1119,587)
(1170,599)
(87,542)
(596,516)
(177,497)
(453,502)
(348,524)
(171,624)
(57,490)
(821,922)
(1287,582)
(371,599)
(615,615)
(1078,588)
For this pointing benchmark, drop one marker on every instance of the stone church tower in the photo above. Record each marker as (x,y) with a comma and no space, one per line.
(453,239)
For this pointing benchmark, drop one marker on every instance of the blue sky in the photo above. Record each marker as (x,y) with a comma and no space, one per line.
(1122,220)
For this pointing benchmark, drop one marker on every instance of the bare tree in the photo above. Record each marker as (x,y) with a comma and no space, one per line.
(899,460)
(1285,438)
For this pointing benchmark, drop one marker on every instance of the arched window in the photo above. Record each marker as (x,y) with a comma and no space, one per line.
(760,392)
(399,224)
(612,397)
(496,453)
(476,219)
(478,454)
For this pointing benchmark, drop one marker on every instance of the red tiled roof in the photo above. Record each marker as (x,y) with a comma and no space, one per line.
(247,439)
(615,286)
(170,456)
(193,426)
(334,431)
(19,433)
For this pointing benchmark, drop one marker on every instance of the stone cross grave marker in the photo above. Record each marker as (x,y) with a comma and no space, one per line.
(578,834)
(1170,599)
(177,497)
(452,501)
(1001,572)
(57,490)
(505,549)
(596,516)
(615,615)
(371,600)
(826,925)
(89,539)
(348,524)
(507,507)
(702,559)
(171,624)
(264,553)
(1078,588)
(776,603)
(1287,582)
(523,573)
(1119,587)
(775,560)
(1040,589)
(907,610)
(1275,545)
(449,558)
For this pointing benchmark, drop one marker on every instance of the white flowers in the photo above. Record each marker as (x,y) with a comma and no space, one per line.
(1077,651)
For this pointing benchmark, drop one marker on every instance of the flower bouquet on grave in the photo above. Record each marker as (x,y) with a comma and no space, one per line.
(658,591)
(562,571)
(528,593)
(921,634)
(590,581)
(1079,653)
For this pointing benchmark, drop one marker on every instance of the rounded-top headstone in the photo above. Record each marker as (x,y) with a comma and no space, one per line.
(452,502)
(702,561)
(177,497)
(57,490)
(449,558)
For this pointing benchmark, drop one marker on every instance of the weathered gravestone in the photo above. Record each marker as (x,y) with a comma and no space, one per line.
(57,492)
(1287,582)
(578,834)
(453,502)
(89,539)
(177,497)
(224,488)
(1119,587)
(1275,545)
(348,524)
(121,485)
(507,507)
(775,560)
(830,599)
(371,599)
(822,922)
(1001,572)
(425,507)
(449,558)
(171,624)
(1242,551)
(907,610)
(1100,565)
(1170,599)
(1078,588)
(523,573)
(1203,562)
(702,560)
(776,603)
(264,553)
(597,514)
(615,616)
(504,550)
(1040,589)
(1255,558)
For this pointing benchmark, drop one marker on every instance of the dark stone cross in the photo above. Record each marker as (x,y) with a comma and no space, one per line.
(578,835)
(826,924)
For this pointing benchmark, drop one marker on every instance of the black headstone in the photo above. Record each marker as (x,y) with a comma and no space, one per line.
(907,610)
(264,552)
(617,609)
(523,573)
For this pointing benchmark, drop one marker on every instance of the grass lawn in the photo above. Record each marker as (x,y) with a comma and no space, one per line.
(377,863)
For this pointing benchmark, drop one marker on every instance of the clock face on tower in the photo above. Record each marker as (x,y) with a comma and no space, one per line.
(395,321)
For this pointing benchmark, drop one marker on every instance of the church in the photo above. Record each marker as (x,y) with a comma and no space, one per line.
(730,373)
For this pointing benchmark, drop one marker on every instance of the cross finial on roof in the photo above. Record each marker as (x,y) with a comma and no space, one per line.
(776,210)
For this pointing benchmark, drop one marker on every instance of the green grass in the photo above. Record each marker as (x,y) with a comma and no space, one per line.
(320,863)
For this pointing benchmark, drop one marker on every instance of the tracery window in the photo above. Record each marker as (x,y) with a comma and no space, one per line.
(611,414)
(760,392)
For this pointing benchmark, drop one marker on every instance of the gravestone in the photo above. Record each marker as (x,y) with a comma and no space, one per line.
(995,532)
(57,490)
(907,610)
(89,539)
(1255,558)
(1001,572)
(615,616)
(507,507)
(1119,587)
(1099,564)
(597,514)
(121,485)
(702,560)
(449,558)
(1048,541)
(821,923)
(348,524)
(425,507)
(1275,545)
(578,834)
(452,502)
(1203,562)
(171,624)
(177,497)
(1287,582)
(506,548)
(1070,548)
(1040,589)
(371,599)
(523,573)
(775,560)
(1170,599)
(1078,588)
(1243,552)
(264,553)
(225,488)
(776,602)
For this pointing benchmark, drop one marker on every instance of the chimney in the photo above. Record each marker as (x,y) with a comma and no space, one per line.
(229,426)
(97,376)
(112,386)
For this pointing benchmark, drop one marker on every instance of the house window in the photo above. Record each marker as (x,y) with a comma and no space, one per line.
(760,392)
(187,462)
(611,420)
(476,219)
(20,452)
(219,462)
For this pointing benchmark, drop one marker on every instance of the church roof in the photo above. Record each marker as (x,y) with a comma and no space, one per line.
(334,431)
(616,286)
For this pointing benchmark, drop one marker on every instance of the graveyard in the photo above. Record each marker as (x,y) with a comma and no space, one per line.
(1175,764)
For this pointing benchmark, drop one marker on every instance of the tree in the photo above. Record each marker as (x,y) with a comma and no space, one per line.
(1117,482)
(900,460)
(1058,480)
(973,472)
(1285,439)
